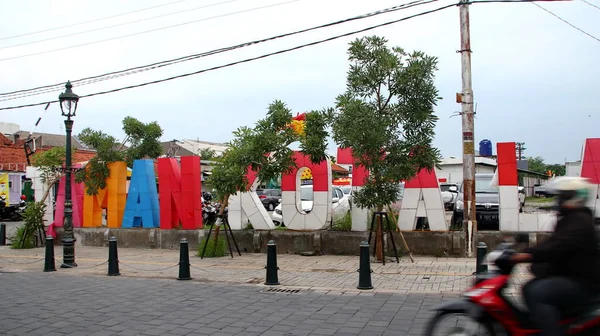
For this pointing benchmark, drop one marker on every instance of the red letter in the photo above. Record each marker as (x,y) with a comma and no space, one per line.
(180,193)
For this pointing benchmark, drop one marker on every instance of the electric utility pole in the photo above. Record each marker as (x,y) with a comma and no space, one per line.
(520,149)
(465,98)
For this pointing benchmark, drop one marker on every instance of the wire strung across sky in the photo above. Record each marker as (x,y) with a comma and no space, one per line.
(91,21)
(134,70)
(270,54)
(567,22)
(121,24)
(148,31)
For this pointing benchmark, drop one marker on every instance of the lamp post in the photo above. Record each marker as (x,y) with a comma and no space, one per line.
(68,105)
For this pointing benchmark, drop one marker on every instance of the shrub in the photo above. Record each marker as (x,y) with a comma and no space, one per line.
(211,251)
(342,223)
(17,238)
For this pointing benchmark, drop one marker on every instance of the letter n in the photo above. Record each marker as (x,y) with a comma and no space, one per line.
(141,209)
(112,198)
(180,193)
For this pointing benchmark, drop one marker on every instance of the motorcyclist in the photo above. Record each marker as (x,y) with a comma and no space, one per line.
(567,265)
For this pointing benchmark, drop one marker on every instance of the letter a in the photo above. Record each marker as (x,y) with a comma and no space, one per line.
(141,209)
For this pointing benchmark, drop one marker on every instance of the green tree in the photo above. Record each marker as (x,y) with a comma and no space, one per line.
(557,168)
(536,164)
(387,117)
(207,154)
(265,149)
(50,162)
(143,141)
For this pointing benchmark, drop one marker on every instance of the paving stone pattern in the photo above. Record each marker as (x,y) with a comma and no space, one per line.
(426,274)
(37,303)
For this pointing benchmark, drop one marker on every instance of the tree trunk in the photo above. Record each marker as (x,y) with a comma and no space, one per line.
(221,211)
(379,236)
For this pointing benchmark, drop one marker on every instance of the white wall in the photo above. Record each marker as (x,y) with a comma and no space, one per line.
(573,168)
(454,172)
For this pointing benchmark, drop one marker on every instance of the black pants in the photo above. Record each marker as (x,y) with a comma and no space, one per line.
(546,296)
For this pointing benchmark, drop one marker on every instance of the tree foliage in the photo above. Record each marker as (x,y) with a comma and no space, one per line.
(387,116)
(265,150)
(143,141)
(537,164)
(207,154)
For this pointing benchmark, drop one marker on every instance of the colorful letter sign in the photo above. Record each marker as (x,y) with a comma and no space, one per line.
(294,216)
(77,191)
(590,168)
(246,205)
(359,174)
(508,186)
(180,193)
(142,201)
(422,198)
(112,198)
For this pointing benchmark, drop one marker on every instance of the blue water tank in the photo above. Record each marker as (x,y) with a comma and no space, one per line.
(485,148)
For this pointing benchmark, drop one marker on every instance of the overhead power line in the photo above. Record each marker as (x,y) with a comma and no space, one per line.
(591,4)
(119,24)
(245,60)
(91,21)
(264,55)
(147,31)
(567,22)
(115,74)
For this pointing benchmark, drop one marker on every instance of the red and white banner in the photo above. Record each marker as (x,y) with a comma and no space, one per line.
(293,207)
(422,198)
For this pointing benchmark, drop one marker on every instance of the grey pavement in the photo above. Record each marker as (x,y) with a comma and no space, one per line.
(54,303)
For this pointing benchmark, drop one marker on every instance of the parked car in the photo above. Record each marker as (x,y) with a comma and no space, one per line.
(340,207)
(269,198)
(348,193)
(540,191)
(449,192)
(487,207)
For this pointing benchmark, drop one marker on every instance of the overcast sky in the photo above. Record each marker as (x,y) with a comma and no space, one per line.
(536,80)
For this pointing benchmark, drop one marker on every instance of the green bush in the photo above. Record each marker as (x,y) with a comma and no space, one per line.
(27,235)
(342,223)
(15,240)
(211,252)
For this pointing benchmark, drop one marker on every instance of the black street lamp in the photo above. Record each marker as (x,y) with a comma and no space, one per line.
(68,105)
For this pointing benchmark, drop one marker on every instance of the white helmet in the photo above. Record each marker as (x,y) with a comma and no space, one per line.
(570,191)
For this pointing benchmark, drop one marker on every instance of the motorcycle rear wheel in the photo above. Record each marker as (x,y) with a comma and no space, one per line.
(484,328)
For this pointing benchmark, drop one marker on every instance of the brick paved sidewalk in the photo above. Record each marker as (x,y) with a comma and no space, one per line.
(320,273)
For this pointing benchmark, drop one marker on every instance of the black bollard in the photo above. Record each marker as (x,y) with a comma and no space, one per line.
(364,272)
(481,252)
(272,278)
(2,234)
(184,260)
(49,265)
(113,257)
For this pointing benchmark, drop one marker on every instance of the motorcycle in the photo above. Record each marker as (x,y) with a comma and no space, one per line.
(488,309)
(12,212)
(209,213)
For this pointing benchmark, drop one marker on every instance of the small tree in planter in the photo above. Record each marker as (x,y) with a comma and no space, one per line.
(387,117)
(265,150)
(32,233)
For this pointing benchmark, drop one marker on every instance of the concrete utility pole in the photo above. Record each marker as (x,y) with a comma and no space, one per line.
(466,100)
(520,149)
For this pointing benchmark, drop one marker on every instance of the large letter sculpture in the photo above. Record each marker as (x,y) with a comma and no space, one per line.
(245,206)
(142,200)
(422,198)
(180,193)
(77,191)
(293,215)
(590,168)
(508,183)
(360,216)
(112,198)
